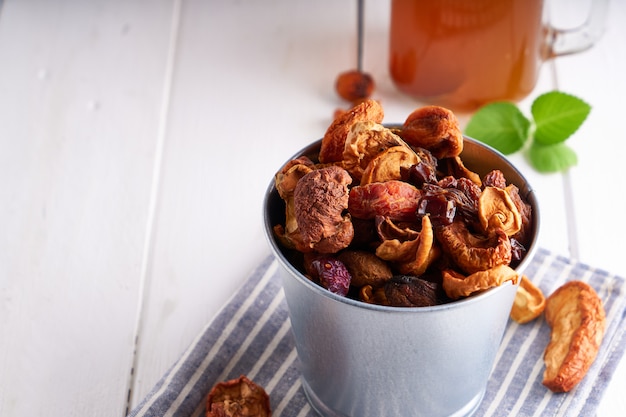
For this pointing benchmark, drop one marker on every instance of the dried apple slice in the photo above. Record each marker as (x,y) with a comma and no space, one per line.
(577,318)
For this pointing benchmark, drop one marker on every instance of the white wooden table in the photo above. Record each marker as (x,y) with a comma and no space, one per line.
(137,139)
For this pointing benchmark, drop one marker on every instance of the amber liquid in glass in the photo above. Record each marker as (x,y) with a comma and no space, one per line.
(463,54)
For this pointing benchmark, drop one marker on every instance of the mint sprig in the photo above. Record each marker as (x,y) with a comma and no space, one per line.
(556,116)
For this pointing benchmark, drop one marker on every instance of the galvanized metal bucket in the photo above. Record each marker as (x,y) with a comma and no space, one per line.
(366,360)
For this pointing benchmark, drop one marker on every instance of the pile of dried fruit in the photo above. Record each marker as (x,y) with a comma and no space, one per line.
(392,216)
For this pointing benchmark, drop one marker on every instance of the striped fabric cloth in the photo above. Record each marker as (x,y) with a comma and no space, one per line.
(251,336)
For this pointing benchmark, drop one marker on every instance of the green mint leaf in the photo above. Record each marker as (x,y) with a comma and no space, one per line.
(557,116)
(500,125)
(551,158)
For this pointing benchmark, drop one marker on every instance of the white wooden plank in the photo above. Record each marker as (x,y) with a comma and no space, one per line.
(248,85)
(597,77)
(80,86)
(598,201)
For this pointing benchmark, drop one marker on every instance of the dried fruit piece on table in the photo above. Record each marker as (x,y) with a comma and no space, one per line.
(334,139)
(577,318)
(529,302)
(320,198)
(239,397)
(456,285)
(354,85)
(434,128)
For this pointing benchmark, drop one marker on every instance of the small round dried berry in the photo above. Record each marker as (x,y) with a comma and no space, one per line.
(332,274)
(354,85)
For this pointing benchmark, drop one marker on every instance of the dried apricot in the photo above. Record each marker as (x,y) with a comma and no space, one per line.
(434,128)
(334,139)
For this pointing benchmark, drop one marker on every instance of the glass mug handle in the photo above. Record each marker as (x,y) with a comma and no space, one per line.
(561,42)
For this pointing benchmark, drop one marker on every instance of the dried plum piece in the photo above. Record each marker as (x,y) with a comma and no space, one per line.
(411,291)
(424,172)
(365,268)
(441,209)
(449,198)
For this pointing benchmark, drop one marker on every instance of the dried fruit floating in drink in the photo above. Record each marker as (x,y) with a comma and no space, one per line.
(239,397)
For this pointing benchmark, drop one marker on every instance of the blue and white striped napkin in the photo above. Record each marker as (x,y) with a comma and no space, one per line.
(251,336)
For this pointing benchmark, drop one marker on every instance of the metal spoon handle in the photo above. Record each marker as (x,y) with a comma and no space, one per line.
(359,26)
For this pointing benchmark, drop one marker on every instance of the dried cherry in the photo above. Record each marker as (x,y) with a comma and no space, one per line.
(332,274)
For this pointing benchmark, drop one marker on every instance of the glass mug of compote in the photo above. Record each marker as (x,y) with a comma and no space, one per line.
(463,54)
